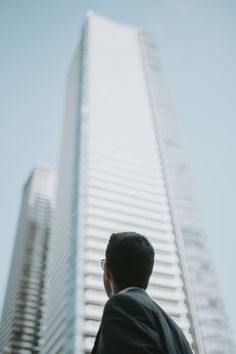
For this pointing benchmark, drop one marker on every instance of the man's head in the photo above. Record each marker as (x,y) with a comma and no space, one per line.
(129,262)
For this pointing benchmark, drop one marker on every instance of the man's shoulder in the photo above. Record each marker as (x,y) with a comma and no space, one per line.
(126,327)
(134,312)
(140,305)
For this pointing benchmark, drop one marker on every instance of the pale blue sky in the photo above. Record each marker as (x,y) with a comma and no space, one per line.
(198,51)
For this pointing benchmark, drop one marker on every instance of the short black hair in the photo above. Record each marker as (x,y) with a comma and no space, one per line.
(130,257)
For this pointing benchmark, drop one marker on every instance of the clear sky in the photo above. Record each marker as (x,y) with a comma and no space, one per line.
(197,40)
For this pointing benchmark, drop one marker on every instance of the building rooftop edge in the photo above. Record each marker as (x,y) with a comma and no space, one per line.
(36,167)
(91,13)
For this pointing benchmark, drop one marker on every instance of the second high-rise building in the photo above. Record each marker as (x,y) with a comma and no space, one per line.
(21,320)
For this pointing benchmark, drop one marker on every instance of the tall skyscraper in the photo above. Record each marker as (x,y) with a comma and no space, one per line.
(117,162)
(21,322)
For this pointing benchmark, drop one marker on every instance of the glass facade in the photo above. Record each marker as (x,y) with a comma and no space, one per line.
(21,323)
(208,310)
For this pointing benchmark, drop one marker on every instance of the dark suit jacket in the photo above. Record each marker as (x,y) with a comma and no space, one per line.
(132,323)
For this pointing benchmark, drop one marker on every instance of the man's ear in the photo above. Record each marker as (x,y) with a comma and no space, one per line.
(107,273)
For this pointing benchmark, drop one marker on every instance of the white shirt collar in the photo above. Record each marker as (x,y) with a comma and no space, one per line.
(127,289)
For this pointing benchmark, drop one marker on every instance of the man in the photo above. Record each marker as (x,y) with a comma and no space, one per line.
(132,323)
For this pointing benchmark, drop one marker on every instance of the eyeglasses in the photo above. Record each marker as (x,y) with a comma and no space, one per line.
(102,261)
